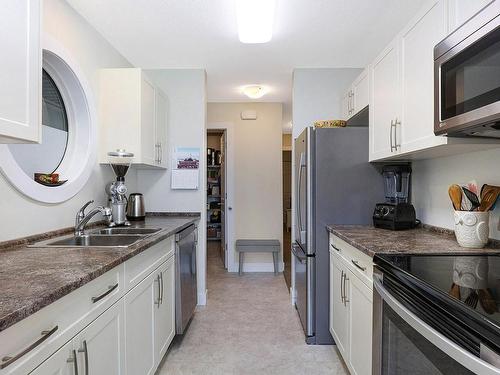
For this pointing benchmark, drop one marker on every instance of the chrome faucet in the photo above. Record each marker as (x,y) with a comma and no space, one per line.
(81,219)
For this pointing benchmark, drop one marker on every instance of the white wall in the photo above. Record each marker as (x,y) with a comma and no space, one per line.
(256,165)
(23,216)
(185,90)
(317,95)
(431,179)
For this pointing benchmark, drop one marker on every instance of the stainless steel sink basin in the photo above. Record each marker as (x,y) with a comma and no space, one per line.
(143,231)
(92,240)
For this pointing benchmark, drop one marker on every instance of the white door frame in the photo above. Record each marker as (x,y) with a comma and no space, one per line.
(232,264)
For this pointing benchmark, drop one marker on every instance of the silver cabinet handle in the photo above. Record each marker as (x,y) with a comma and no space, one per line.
(161,152)
(356,263)
(390,135)
(85,352)
(73,360)
(161,295)
(335,248)
(7,360)
(396,123)
(341,286)
(100,297)
(158,301)
(345,289)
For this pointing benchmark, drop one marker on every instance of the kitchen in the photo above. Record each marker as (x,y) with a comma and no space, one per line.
(124,307)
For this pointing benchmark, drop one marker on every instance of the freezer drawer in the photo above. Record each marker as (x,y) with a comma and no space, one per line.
(304,302)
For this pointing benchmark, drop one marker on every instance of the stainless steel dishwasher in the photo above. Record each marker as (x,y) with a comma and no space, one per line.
(186,294)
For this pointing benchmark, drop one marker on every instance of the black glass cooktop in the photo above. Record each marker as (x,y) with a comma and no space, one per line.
(473,281)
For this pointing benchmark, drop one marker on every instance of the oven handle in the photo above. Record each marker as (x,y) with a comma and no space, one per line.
(465,358)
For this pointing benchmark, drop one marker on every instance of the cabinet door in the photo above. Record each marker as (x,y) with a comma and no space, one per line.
(165,311)
(339,317)
(461,10)
(385,102)
(417,50)
(20,71)
(140,303)
(61,362)
(361,91)
(101,345)
(360,326)
(148,118)
(161,128)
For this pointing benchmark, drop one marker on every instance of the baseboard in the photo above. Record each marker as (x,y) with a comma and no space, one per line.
(260,267)
(202,298)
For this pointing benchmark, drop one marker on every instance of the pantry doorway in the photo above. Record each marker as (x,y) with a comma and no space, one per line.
(219,206)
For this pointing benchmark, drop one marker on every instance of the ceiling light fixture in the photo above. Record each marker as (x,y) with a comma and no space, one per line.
(255,20)
(254,91)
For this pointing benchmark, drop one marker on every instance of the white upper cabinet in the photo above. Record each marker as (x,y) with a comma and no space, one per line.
(385,104)
(20,71)
(356,96)
(132,116)
(402,88)
(461,10)
(417,58)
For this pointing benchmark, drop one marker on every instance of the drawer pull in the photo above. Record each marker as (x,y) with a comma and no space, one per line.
(7,360)
(335,248)
(110,289)
(355,262)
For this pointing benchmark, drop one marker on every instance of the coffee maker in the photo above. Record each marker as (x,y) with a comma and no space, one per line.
(396,212)
(119,161)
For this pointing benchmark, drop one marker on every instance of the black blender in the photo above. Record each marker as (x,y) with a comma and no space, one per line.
(396,213)
(119,161)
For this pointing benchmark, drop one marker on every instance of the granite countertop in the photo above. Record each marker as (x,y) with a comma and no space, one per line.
(425,240)
(34,277)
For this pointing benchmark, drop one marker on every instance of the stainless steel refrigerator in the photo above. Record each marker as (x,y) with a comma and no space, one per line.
(335,184)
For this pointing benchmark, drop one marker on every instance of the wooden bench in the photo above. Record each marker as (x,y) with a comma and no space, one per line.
(258,246)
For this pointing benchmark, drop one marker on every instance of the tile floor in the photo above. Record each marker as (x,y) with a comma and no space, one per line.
(247,327)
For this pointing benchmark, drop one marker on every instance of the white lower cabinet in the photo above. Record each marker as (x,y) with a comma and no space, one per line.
(149,320)
(121,323)
(351,308)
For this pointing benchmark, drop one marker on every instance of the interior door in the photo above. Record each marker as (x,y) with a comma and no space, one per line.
(223,206)
(301,190)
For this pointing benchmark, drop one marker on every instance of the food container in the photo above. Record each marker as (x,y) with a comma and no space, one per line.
(472,228)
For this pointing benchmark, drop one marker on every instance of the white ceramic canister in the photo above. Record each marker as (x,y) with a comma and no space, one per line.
(472,228)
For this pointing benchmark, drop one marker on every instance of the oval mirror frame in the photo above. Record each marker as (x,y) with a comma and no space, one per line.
(80,157)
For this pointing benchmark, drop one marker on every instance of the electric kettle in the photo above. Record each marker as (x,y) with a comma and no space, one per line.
(135,207)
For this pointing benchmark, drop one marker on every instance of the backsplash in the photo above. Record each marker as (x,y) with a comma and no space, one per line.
(432,177)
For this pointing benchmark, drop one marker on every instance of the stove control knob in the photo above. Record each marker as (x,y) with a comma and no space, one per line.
(385,211)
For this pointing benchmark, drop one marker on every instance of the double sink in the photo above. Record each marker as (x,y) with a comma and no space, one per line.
(108,237)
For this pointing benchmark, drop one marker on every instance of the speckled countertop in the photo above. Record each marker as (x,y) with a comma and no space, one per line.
(426,240)
(34,277)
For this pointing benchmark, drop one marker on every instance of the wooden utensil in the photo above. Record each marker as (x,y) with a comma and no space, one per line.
(472,299)
(489,196)
(455,291)
(487,301)
(455,193)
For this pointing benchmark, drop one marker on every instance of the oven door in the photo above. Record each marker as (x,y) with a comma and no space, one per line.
(467,78)
(404,344)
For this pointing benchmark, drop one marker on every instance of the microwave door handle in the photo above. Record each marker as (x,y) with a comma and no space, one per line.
(465,358)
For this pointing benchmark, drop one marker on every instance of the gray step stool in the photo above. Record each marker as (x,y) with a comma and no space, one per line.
(258,246)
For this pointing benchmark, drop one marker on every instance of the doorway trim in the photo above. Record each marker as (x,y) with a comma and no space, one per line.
(230,208)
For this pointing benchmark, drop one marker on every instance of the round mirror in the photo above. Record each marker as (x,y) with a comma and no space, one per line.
(45,158)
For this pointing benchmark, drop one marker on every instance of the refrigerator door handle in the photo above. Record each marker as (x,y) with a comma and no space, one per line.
(299,194)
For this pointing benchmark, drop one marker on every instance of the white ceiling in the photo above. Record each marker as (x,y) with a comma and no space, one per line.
(203,34)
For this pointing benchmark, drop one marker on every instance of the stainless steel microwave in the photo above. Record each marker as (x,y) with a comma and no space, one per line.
(467,78)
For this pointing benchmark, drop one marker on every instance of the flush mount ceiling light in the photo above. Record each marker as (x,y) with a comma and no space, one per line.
(254,91)
(255,20)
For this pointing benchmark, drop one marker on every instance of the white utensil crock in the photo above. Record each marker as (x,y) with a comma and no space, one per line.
(472,228)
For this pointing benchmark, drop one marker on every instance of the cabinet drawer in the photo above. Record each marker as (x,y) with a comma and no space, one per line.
(59,322)
(140,266)
(358,262)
